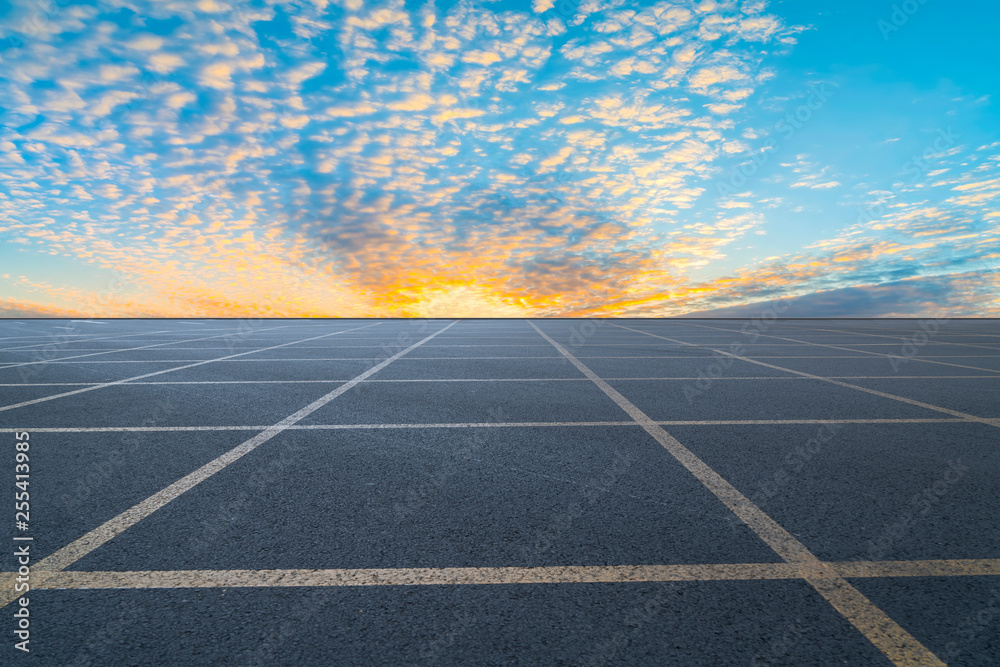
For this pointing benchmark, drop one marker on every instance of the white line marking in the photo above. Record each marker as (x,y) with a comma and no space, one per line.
(877,354)
(147,334)
(421,425)
(410,380)
(82,546)
(883,632)
(146,375)
(576,574)
(874,392)
(124,349)
(465,576)
(53,340)
(276,359)
(916,328)
(580,356)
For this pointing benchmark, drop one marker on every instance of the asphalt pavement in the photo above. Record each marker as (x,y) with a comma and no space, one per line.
(487,492)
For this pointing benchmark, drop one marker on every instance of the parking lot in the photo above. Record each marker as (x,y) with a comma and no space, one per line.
(580,492)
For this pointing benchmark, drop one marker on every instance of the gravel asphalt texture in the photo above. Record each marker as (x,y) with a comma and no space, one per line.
(203,491)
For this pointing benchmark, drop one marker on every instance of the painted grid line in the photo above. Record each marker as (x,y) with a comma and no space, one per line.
(874,392)
(464,576)
(52,340)
(82,546)
(423,425)
(937,336)
(884,633)
(877,354)
(126,349)
(154,373)
(596,356)
(411,380)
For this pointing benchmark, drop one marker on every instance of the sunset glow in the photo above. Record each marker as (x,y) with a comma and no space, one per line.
(511,159)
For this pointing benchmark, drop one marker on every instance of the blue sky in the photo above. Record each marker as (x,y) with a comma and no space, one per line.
(498,158)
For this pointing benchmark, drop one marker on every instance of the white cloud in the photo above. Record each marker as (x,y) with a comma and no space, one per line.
(181,99)
(145,42)
(481,57)
(295,76)
(217,75)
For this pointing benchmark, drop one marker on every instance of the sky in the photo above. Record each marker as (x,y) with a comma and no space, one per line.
(476,158)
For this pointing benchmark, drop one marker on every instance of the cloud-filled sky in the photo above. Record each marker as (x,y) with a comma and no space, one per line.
(489,158)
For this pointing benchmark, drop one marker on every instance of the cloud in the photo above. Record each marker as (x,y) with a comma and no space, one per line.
(145,42)
(811,183)
(949,295)
(15,308)
(481,57)
(723,109)
(418,102)
(391,159)
(296,75)
(164,63)
(217,75)
(707,77)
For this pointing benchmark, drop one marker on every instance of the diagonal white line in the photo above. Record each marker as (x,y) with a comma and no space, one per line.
(428,425)
(851,349)
(883,632)
(86,338)
(51,337)
(904,333)
(167,370)
(548,356)
(82,546)
(743,378)
(874,392)
(129,349)
(282,359)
